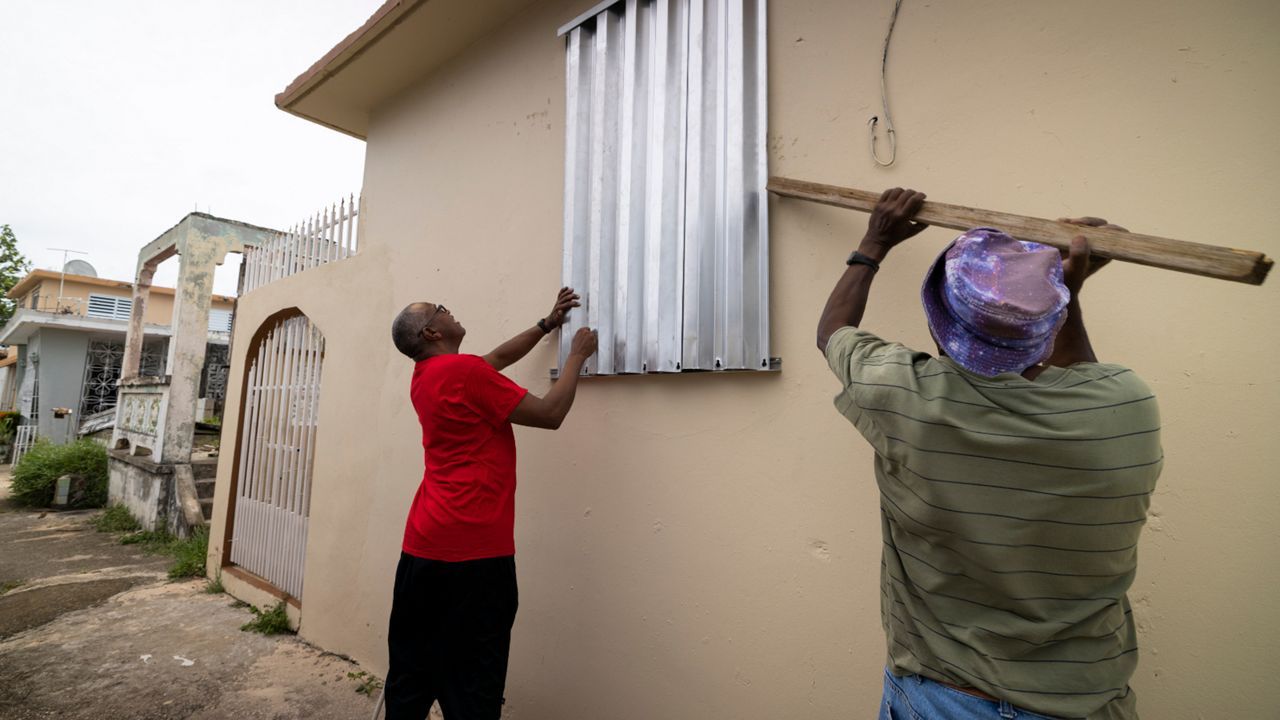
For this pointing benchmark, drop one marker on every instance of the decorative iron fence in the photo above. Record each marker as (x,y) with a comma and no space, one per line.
(329,236)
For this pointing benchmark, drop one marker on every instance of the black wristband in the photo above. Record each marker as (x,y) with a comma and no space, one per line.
(857,258)
(542,325)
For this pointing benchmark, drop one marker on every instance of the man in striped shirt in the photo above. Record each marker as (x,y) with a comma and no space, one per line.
(1015,472)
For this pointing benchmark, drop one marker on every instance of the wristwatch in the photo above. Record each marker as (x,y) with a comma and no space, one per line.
(857,258)
(542,325)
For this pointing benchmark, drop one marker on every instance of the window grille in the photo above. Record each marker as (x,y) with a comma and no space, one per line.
(103,368)
(665,216)
(106,306)
(219,320)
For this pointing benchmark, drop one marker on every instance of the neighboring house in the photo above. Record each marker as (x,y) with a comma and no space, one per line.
(67,333)
(695,543)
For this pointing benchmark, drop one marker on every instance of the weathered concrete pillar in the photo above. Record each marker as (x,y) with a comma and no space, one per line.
(198,257)
(134,339)
(156,417)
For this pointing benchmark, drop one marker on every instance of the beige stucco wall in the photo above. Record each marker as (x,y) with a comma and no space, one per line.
(708,546)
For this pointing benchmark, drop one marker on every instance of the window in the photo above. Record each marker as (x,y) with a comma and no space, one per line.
(106,306)
(219,320)
(665,216)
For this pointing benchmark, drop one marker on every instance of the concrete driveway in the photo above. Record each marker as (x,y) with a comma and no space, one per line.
(93,629)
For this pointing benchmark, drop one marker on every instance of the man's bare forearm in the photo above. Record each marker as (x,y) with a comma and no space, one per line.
(848,300)
(559,398)
(1072,344)
(511,351)
(889,225)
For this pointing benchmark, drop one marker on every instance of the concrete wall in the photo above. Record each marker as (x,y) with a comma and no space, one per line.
(144,487)
(62,357)
(708,546)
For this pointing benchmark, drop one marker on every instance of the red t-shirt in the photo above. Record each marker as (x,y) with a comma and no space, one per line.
(465,507)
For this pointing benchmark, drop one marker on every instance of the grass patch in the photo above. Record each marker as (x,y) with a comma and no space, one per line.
(117,518)
(189,555)
(214,586)
(366,684)
(153,541)
(269,622)
(36,475)
(11,585)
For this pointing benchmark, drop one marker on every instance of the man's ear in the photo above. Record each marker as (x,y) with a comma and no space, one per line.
(431,334)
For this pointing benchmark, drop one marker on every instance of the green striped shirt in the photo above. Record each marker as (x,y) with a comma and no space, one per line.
(1010,511)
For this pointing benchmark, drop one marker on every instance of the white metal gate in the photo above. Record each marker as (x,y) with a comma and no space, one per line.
(277,449)
(22,441)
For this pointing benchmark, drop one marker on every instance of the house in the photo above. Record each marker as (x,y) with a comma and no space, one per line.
(703,541)
(69,331)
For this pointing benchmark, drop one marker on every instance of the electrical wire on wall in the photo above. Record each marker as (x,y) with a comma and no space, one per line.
(884,98)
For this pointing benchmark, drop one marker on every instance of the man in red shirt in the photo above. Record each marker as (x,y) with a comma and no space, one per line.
(455,593)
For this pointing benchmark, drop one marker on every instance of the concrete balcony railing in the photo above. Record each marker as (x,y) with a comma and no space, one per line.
(57,305)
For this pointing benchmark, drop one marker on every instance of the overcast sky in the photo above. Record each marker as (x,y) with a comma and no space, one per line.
(119,118)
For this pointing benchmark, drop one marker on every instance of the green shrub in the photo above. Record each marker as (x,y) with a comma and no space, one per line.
(117,518)
(269,622)
(36,475)
(9,421)
(152,541)
(189,555)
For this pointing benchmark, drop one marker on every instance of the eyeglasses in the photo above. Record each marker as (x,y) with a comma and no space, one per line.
(439,309)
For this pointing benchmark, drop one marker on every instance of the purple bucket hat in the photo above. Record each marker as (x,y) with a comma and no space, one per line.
(995,303)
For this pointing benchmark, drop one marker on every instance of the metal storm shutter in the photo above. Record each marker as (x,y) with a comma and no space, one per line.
(666,224)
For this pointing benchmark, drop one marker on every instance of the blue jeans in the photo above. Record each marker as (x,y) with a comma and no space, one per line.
(918,698)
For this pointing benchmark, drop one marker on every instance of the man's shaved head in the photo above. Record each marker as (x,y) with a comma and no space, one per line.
(406,329)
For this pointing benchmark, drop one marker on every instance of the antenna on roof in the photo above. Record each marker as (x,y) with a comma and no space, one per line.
(63,279)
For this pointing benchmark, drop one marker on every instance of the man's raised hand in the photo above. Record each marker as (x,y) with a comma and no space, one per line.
(1078,264)
(584,344)
(566,300)
(891,221)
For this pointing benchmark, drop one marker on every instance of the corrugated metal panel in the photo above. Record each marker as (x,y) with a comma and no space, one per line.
(666,227)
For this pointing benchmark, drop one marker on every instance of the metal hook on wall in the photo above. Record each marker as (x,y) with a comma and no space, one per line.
(884,98)
(893,143)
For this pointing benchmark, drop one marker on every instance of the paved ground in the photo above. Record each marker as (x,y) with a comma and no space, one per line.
(92,629)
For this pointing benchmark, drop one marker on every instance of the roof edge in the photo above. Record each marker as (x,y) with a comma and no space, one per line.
(352,46)
(40,274)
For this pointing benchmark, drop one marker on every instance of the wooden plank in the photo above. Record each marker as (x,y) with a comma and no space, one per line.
(1244,266)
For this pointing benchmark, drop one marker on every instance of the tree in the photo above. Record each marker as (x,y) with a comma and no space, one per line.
(13,267)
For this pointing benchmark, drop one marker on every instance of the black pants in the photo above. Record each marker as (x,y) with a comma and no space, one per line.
(449,637)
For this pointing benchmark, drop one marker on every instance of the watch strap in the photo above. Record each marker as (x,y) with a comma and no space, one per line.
(857,258)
